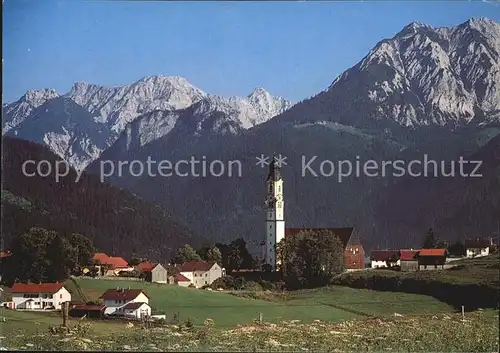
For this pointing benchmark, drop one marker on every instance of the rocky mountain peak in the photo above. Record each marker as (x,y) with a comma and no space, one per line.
(426,76)
(37,97)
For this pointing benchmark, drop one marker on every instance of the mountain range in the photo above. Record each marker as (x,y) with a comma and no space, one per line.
(426,90)
(82,123)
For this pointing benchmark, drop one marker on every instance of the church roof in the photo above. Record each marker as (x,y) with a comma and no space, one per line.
(344,234)
(274,170)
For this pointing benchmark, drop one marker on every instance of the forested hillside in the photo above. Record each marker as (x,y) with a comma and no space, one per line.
(115,220)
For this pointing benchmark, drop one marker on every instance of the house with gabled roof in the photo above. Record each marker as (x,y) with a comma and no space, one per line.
(408,260)
(153,272)
(41,296)
(110,265)
(201,273)
(115,301)
(354,253)
(431,259)
(477,247)
(384,258)
(182,281)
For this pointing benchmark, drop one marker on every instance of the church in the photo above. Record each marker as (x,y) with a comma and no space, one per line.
(354,253)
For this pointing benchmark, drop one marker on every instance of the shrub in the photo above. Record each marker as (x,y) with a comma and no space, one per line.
(226,282)
(175,319)
(239,283)
(189,323)
(253,286)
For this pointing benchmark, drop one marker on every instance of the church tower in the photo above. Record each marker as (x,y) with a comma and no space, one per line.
(275,214)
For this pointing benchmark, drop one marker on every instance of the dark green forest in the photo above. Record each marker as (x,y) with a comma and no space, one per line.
(115,220)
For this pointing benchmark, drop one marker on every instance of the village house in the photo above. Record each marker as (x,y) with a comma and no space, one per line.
(153,272)
(477,247)
(354,254)
(182,281)
(384,258)
(408,260)
(431,259)
(200,273)
(110,266)
(117,302)
(43,296)
(90,311)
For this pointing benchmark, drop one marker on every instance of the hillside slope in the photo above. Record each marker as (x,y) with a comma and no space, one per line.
(116,220)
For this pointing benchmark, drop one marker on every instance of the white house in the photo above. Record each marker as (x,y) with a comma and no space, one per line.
(43,296)
(201,273)
(134,310)
(477,247)
(384,258)
(118,298)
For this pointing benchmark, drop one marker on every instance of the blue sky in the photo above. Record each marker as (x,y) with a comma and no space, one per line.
(293,49)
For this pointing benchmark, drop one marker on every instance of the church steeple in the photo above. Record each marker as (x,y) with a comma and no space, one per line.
(274,170)
(275,221)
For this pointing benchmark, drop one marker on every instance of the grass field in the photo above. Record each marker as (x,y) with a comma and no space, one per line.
(327,319)
(426,333)
(331,304)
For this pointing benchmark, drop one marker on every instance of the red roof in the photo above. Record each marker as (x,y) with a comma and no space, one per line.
(37,288)
(4,254)
(146,266)
(476,243)
(181,278)
(432,252)
(133,305)
(384,255)
(344,234)
(122,294)
(89,307)
(111,261)
(407,255)
(195,265)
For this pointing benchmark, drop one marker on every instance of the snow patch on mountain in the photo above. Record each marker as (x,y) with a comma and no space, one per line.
(15,113)
(116,107)
(426,76)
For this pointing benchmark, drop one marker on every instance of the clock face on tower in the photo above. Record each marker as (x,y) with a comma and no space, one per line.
(278,197)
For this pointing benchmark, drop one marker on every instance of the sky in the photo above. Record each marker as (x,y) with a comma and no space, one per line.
(293,49)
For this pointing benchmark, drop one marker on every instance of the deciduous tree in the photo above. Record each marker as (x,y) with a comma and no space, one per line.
(310,258)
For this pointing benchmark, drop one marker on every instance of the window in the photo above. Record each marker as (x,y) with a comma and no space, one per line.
(60,296)
(206,274)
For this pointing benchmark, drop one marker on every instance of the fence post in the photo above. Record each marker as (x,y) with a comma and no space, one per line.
(261,318)
(65,309)
(463,313)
